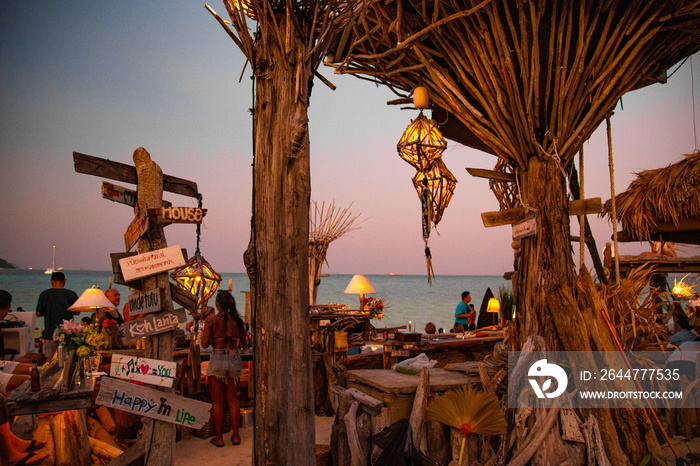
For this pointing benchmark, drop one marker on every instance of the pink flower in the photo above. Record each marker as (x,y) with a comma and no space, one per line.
(70,326)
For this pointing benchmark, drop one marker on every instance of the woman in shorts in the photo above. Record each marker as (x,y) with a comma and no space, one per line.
(225,332)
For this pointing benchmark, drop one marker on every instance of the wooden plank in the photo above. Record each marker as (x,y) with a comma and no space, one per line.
(91,165)
(182,297)
(153,324)
(503,217)
(390,381)
(135,230)
(526,227)
(129,456)
(491,174)
(115,257)
(151,263)
(191,215)
(367,402)
(152,403)
(151,371)
(571,426)
(145,302)
(585,206)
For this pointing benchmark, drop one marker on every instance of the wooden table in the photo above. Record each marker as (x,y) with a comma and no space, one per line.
(398,390)
(51,397)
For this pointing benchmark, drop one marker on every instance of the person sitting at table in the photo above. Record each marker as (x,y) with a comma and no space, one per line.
(5,305)
(430,328)
(225,332)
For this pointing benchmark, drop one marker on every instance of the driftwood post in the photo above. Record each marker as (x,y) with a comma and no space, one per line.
(158,434)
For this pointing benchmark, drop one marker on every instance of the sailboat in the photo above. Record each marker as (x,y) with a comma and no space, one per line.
(53,268)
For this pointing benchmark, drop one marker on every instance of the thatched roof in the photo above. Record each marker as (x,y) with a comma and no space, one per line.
(662,204)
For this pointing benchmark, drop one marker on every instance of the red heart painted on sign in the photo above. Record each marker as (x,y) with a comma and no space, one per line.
(144,368)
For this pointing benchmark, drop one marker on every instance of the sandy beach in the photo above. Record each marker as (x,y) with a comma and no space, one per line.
(194,450)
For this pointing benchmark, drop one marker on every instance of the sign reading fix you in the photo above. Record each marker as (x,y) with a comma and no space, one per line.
(153,371)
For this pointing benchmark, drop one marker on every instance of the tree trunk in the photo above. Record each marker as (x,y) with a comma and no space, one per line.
(547,305)
(278,258)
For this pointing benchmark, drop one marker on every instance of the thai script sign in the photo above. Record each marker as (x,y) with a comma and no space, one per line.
(145,302)
(151,263)
(178,214)
(152,371)
(136,229)
(144,401)
(153,324)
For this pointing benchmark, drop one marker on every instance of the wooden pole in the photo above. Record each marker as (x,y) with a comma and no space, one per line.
(159,436)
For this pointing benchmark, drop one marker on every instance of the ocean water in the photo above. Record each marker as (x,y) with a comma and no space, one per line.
(409,297)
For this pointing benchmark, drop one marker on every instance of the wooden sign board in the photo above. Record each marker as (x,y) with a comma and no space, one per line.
(585,206)
(151,263)
(118,194)
(118,278)
(145,302)
(152,371)
(153,324)
(136,229)
(525,228)
(178,215)
(151,403)
(503,217)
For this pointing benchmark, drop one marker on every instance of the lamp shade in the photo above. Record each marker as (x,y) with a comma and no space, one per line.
(493,306)
(92,300)
(359,285)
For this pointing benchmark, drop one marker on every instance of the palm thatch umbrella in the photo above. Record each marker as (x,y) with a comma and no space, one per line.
(661,204)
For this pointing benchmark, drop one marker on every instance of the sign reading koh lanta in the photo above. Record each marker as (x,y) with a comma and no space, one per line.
(145,302)
(151,263)
(152,403)
(153,324)
(152,371)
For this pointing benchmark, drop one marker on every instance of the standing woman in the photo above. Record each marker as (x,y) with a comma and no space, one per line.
(226,334)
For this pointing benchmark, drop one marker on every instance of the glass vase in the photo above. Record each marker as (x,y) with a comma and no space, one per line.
(80,373)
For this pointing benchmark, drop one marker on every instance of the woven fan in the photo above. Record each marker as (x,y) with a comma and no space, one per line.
(469,410)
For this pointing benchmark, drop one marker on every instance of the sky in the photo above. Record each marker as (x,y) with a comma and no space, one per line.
(104,78)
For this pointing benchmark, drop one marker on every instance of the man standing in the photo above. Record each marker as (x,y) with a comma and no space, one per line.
(53,305)
(5,305)
(462,311)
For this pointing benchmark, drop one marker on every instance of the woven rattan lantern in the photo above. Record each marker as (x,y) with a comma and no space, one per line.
(421,143)
(198,278)
(436,185)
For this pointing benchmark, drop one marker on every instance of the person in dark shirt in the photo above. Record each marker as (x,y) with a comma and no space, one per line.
(5,305)
(53,305)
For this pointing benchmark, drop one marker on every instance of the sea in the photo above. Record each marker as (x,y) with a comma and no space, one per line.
(408,297)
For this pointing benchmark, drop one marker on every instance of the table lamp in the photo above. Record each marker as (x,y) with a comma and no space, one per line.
(495,306)
(92,300)
(360,285)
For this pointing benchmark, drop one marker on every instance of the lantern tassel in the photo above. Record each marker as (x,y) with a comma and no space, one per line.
(429,263)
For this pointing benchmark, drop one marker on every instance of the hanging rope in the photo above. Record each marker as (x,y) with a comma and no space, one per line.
(199,225)
(616,251)
(582,217)
(426,210)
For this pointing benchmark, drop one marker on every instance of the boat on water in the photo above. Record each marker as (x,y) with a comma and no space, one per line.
(53,268)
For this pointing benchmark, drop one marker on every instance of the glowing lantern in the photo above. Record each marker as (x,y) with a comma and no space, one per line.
(421,143)
(435,186)
(420,97)
(197,277)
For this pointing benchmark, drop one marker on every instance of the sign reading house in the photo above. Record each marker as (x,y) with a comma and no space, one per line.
(151,263)
(152,403)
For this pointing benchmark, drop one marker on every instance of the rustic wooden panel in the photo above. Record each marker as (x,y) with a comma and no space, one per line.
(151,262)
(152,403)
(586,206)
(388,380)
(491,174)
(504,217)
(152,371)
(146,302)
(153,324)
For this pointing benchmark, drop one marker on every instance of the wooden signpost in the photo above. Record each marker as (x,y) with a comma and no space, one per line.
(151,263)
(145,302)
(136,229)
(151,371)
(153,324)
(192,215)
(148,402)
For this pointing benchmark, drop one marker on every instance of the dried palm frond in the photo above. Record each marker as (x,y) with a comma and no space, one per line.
(469,410)
(663,195)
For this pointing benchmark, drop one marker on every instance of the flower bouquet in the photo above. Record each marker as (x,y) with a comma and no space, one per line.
(81,343)
(375,307)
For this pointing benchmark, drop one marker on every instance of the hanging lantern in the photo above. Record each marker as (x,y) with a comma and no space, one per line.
(421,143)
(197,277)
(436,186)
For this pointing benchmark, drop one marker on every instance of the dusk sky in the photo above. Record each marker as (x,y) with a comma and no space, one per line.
(104,78)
